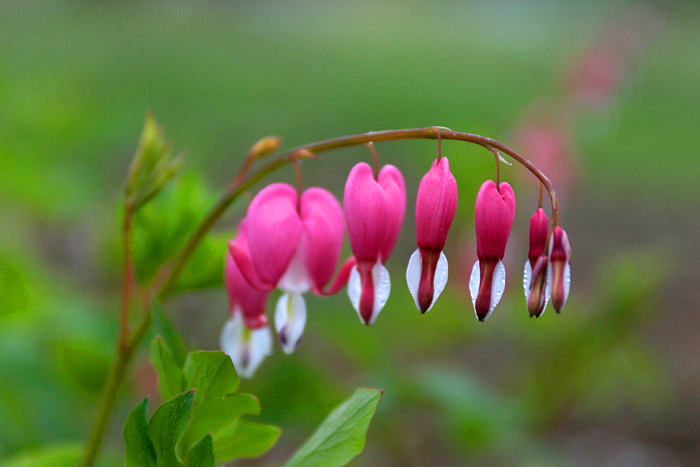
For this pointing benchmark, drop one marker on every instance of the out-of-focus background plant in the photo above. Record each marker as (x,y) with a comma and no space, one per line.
(602,96)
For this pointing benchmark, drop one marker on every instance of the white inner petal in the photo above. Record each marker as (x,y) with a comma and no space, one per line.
(440,279)
(527,278)
(290,319)
(247,348)
(355,289)
(382,288)
(296,277)
(567,281)
(474,283)
(415,264)
(498,285)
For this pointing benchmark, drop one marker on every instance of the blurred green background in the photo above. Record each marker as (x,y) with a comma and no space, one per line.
(605,94)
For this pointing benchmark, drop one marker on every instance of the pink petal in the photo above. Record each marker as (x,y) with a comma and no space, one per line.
(241,294)
(324,229)
(493,218)
(274,231)
(436,205)
(374,211)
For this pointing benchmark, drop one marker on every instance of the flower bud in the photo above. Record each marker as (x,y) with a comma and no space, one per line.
(493,218)
(436,205)
(374,211)
(538,292)
(560,260)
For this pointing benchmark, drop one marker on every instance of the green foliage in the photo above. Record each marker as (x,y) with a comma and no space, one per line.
(244,439)
(152,167)
(139,450)
(54,456)
(341,436)
(170,378)
(215,407)
(171,339)
(167,426)
(202,453)
(162,227)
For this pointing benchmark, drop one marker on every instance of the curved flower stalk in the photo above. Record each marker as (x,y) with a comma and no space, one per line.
(536,281)
(294,245)
(374,210)
(493,217)
(245,337)
(436,205)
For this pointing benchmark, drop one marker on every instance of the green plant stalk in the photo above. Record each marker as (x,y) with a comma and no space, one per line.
(115,378)
(239,185)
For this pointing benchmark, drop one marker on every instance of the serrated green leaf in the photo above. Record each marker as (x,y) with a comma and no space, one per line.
(172,340)
(170,378)
(341,436)
(216,405)
(55,456)
(139,450)
(166,427)
(244,439)
(202,453)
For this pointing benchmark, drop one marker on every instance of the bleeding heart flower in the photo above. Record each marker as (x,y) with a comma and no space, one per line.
(245,337)
(295,246)
(493,217)
(560,260)
(436,205)
(536,272)
(374,211)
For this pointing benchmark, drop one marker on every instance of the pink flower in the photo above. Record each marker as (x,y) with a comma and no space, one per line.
(560,260)
(245,337)
(535,275)
(374,211)
(436,205)
(493,216)
(295,246)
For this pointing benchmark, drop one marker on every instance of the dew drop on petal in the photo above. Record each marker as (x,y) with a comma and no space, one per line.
(290,319)
(415,264)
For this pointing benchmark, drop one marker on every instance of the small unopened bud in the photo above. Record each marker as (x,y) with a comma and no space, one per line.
(538,293)
(560,259)
(152,167)
(302,154)
(265,146)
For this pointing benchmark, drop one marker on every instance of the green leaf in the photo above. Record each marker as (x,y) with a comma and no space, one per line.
(202,453)
(167,425)
(170,378)
(341,436)
(139,450)
(215,404)
(55,456)
(172,340)
(244,439)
